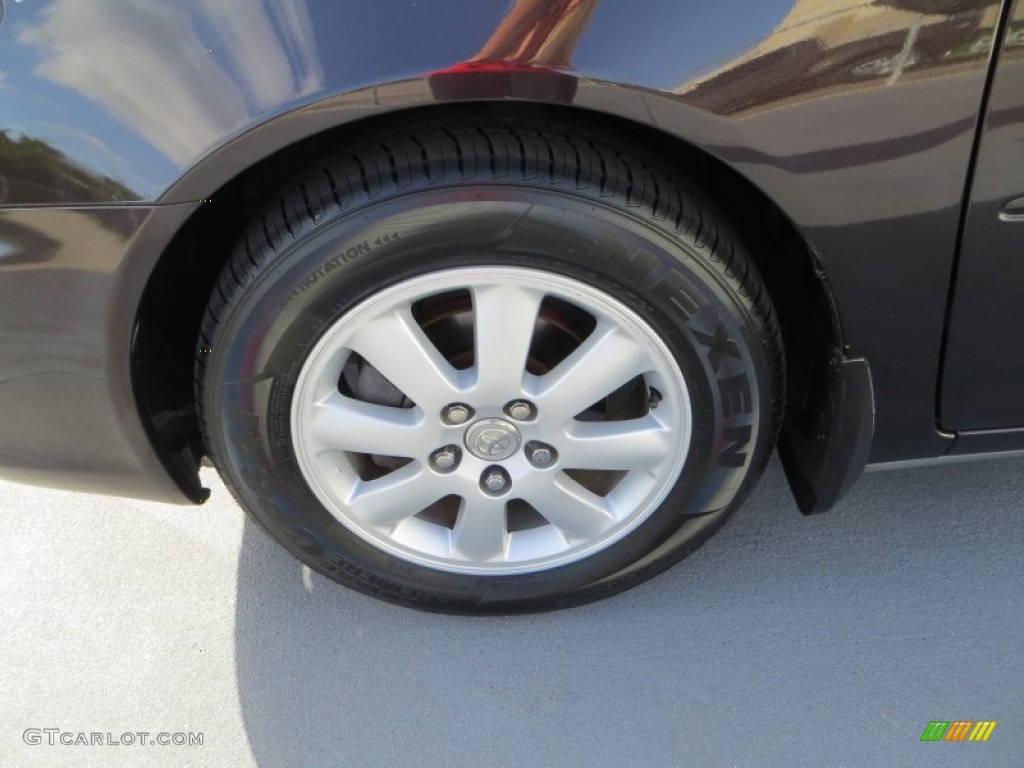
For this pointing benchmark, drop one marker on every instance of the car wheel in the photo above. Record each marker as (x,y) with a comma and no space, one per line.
(489,367)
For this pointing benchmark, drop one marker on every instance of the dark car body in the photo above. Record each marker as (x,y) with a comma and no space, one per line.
(871,153)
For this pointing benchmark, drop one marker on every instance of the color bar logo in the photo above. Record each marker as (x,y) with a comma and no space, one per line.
(958,730)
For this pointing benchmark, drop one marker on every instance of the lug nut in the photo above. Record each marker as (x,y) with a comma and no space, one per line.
(653,398)
(444,459)
(495,480)
(457,413)
(540,455)
(520,410)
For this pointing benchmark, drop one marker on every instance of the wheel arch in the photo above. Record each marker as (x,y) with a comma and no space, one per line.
(233,184)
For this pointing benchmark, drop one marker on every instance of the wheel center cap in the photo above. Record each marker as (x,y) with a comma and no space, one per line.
(492,439)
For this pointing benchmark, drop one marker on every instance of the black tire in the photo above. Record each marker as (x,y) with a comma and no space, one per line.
(430,197)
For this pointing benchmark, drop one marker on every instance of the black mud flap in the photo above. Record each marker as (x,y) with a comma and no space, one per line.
(824,456)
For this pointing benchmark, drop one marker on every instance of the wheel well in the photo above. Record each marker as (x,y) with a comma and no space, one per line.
(185,276)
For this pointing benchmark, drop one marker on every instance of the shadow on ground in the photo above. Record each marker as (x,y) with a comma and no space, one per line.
(785,641)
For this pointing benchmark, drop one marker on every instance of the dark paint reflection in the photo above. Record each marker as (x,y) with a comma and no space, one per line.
(855,117)
(830,48)
(22,245)
(539,33)
(139,91)
(984,365)
(55,290)
(524,56)
(36,172)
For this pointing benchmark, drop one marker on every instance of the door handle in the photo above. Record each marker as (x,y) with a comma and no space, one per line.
(1013,210)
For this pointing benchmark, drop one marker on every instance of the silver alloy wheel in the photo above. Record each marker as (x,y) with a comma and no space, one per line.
(444,436)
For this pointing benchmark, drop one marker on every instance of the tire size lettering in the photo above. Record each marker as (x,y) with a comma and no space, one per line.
(350,254)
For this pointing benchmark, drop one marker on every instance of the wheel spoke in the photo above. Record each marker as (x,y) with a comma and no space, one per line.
(479,532)
(569,506)
(346,424)
(600,365)
(504,316)
(633,444)
(398,348)
(394,497)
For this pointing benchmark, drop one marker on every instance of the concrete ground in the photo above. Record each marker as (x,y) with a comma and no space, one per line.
(785,641)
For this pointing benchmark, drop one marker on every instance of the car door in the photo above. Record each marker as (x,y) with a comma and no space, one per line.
(983,376)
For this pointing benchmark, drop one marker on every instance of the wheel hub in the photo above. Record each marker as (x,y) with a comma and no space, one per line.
(493,439)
